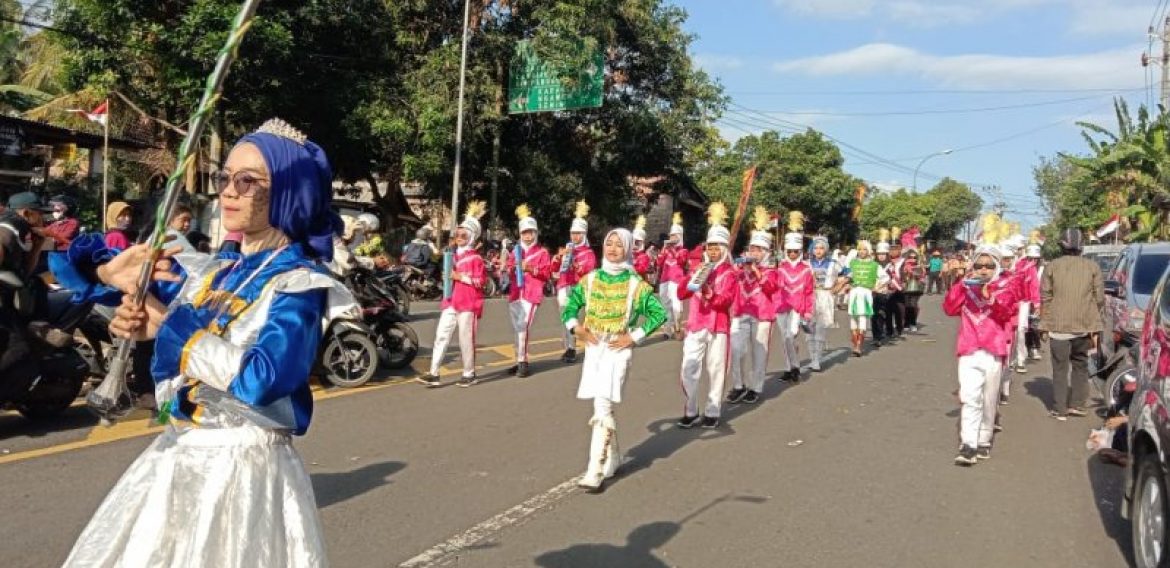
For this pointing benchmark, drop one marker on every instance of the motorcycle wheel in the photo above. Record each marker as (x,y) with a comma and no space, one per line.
(490,288)
(350,360)
(398,345)
(50,408)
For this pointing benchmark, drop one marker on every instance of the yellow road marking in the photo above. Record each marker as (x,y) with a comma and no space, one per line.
(139,424)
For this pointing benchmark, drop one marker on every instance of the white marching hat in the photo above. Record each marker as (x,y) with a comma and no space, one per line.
(793,241)
(1034,251)
(719,235)
(640,235)
(883,248)
(762,239)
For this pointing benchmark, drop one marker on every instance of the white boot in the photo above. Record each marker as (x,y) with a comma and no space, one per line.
(594,471)
(815,348)
(612,458)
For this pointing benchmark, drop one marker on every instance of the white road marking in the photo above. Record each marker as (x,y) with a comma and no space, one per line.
(445,551)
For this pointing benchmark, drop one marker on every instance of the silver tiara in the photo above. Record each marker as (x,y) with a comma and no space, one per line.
(278,127)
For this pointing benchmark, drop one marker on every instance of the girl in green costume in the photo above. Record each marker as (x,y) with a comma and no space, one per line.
(614,298)
(863,276)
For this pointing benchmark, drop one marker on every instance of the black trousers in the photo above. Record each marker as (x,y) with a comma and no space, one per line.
(934,283)
(1070,366)
(912,308)
(1032,339)
(882,324)
(897,313)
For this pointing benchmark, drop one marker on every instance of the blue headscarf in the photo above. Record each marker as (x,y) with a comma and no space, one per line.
(302,191)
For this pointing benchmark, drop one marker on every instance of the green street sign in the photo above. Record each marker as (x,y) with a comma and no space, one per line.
(533,85)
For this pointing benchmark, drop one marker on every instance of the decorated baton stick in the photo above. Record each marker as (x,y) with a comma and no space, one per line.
(111,400)
(749,178)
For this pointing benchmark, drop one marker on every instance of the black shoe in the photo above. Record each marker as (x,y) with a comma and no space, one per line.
(570,356)
(513,369)
(967,456)
(794,375)
(467,381)
(877,344)
(522,370)
(710,422)
(983,453)
(688,422)
(429,380)
(736,395)
(751,397)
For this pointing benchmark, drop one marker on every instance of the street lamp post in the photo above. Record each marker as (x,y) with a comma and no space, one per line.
(459,123)
(943,153)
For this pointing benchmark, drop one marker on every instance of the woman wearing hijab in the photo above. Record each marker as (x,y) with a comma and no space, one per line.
(614,298)
(119,215)
(235,338)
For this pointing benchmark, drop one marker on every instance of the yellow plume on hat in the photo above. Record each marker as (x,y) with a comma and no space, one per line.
(522,211)
(677,218)
(760,218)
(1034,237)
(883,235)
(895,232)
(990,225)
(717,213)
(640,222)
(476,209)
(795,221)
(582,210)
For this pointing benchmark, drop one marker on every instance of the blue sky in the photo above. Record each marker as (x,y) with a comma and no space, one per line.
(885,76)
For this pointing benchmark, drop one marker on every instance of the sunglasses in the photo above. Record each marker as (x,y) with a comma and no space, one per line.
(987,266)
(245,183)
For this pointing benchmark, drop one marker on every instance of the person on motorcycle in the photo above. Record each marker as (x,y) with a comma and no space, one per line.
(535,265)
(20,247)
(420,252)
(64,227)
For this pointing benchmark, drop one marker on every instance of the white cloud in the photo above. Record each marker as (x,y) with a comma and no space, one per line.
(1086,17)
(712,62)
(1105,69)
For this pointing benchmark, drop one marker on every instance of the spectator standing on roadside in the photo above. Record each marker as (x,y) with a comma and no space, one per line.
(1072,296)
(934,280)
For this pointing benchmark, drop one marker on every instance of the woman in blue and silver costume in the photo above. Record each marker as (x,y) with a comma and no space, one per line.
(223,486)
(826,273)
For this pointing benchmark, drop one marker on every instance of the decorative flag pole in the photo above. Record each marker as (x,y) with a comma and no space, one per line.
(105,161)
(111,400)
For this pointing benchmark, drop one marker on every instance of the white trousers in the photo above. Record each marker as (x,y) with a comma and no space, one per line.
(668,295)
(704,349)
(521,312)
(816,343)
(1020,344)
(562,299)
(749,352)
(449,319)
(979,375)
(859,323)
(788,327)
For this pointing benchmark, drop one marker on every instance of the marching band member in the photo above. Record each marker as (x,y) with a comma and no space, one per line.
(571,263)
(672,274)
(883,321)
(641,257)
(464,306)
(826,275)
(535,267)
(795,299)
(712,291)
(863,273)
(897,305)
(614,298)
(752,314)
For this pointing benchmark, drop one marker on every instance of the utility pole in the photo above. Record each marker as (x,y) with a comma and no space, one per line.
(459,123)
(1163,62)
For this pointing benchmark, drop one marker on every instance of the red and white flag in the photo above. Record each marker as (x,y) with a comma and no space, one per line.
(1114,222)
(98,114)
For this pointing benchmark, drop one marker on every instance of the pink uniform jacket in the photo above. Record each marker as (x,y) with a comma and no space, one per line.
(797,288)
(713,314)
(539,271)
(1029,276)
(642,264)
(672,262)
(984,320)
(467,293)
(584,261)
(756,295)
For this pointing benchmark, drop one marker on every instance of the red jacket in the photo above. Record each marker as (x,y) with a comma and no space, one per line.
(977,312)
(642,264)
(539,271)
(584,261)
(713,314)
(672,264)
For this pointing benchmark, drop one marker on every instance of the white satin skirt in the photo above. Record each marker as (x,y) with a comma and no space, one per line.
(825,309)
(603,373)
(227,497)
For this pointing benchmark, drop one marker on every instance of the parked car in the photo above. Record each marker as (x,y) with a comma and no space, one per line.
(1104,255)
(1147,499)
(1128,285)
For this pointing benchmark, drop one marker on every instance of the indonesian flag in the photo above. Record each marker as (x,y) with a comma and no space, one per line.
(98,114)
(1109,227)
(774,223)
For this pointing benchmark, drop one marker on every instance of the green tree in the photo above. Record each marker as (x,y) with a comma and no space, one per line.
(901,208)
(954,205)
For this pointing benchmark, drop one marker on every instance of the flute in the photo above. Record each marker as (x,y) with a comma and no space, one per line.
(518,254)
(699,278)
(448,266)
(567,260)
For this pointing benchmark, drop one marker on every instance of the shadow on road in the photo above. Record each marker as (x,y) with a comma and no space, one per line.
(1108,484)
(333,488)
(1040,388)
(13,424)
(637,552)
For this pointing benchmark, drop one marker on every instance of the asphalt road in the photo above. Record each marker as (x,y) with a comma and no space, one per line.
(851,468)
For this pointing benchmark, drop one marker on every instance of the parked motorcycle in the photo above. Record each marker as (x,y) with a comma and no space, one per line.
(396,341)
(421,285)
(349,358)
(39,379)
(393,280)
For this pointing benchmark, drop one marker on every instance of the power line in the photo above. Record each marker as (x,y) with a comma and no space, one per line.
(932,92)
(939,111)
